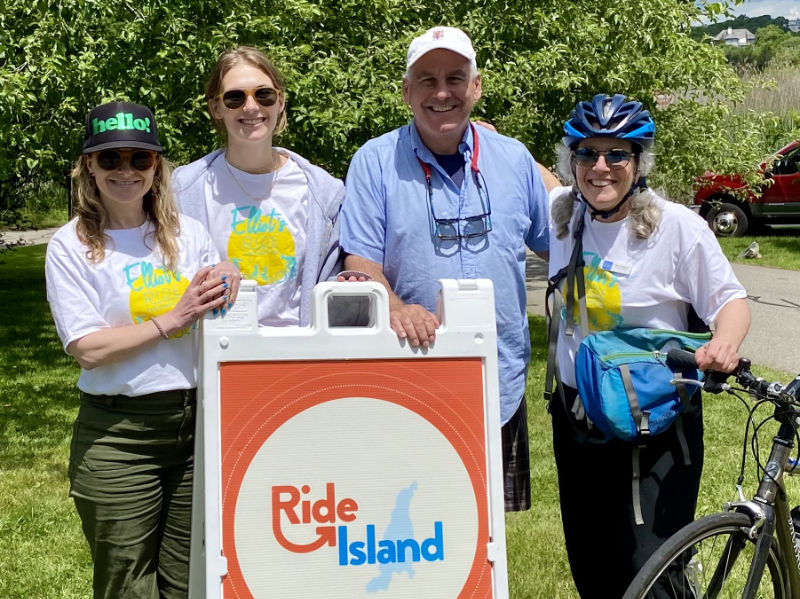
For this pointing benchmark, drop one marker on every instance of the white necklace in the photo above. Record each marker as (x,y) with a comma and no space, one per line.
(274,173)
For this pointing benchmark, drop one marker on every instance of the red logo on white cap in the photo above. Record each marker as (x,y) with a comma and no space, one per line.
(438,34)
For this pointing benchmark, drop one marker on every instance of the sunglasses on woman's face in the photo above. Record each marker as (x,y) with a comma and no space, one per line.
(236,98)
(111,160)
(614,158)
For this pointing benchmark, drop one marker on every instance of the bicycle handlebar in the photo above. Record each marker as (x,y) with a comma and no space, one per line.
(715,382)
(680,359)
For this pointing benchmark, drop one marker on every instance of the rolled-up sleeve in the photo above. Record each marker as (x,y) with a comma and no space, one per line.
(363,226)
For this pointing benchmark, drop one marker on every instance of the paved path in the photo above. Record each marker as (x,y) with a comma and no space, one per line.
(774,294)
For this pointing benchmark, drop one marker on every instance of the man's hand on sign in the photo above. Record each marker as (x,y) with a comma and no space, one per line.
(409,321)
(413,322)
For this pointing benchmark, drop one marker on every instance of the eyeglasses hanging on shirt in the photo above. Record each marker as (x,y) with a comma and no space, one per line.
(464,227)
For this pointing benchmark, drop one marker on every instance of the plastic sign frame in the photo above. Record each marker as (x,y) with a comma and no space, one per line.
(316,444)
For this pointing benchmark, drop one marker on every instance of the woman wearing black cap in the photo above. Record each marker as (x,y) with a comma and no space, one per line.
(127,279)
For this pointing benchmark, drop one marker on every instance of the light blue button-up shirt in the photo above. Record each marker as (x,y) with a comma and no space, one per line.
(387,218)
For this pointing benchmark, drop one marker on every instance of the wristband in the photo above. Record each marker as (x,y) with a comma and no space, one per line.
(160,330)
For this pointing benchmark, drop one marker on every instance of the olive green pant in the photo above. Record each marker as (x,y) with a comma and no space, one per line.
(130,471)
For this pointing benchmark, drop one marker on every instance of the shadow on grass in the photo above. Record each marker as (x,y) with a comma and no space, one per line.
(788,232)
(785,239)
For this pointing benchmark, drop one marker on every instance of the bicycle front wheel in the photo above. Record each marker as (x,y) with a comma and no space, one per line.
(709,558)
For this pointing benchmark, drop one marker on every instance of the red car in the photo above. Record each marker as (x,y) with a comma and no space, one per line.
(779,203)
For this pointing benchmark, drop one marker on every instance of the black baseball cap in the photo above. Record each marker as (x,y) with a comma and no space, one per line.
(120,125)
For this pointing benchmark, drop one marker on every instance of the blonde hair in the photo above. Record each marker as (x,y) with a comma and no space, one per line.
(645,209)
(158,205)
(229,59)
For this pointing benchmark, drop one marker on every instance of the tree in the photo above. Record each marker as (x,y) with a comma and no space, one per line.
(343,62)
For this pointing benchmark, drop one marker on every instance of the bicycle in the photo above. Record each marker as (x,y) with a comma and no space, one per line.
(748,550)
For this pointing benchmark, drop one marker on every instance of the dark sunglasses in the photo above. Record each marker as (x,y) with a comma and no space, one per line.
(468,227)
(235,98)
(614,158)
(111,160)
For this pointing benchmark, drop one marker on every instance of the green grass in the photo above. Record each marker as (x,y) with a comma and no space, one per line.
(42,551)
(779,248)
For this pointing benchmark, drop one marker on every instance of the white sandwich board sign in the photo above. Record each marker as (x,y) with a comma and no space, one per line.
(339,462)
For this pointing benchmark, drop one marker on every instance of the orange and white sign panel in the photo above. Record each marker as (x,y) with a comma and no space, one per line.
(371,474)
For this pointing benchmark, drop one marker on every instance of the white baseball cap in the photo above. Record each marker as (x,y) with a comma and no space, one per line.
(446,38)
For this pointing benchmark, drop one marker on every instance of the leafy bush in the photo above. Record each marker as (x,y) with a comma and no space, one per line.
(344,61)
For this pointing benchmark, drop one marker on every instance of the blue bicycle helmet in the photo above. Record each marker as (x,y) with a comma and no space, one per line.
(609,116)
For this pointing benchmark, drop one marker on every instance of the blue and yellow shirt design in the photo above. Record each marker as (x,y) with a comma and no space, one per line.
(261,245)
(154,290)
(603,296)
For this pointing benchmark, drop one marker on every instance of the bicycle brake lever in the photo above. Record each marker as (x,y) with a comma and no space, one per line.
(715,382)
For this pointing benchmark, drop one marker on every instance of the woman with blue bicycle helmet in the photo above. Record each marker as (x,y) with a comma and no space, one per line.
(647,263)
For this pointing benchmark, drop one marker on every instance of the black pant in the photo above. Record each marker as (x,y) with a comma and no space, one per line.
(606,547)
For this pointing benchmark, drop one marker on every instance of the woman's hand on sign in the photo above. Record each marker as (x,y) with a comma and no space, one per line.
(203,294)
(229,275)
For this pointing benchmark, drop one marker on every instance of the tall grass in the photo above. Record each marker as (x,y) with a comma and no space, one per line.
(778,93)
(776,90)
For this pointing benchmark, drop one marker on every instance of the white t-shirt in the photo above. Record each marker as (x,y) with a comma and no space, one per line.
(651,282)
(258,222)
(131,285)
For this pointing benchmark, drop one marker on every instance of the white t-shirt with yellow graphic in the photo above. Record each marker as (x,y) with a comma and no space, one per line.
(131,285)
(258,222)
(650,283)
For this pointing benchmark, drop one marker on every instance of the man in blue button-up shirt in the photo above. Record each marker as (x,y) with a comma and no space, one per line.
(440,198)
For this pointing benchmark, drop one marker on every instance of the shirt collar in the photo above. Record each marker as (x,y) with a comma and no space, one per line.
(423,153)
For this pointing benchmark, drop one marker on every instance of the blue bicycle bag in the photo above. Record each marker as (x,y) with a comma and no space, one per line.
(625,384)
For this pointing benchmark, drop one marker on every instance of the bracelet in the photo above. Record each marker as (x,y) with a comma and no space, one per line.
(158,326)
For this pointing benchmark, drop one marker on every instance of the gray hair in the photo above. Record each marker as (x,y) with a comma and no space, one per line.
(645,211)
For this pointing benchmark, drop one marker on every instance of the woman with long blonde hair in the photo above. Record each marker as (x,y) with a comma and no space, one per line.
(127,280)
(270,211)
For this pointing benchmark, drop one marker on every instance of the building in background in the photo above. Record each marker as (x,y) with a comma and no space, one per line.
(735,37)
